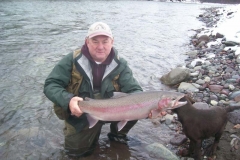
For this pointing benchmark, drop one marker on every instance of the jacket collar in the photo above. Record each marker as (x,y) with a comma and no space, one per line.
(83,65)
(109,59)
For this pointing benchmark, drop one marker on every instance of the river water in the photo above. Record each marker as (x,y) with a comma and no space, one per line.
(35,35)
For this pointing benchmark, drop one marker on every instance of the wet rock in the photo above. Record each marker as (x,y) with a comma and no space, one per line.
(195,74)
(197,61)
(231,80)
(198,99)
(219,35)
(201,44)
(236,77)
(225,86)
(213,102)
(222,103)
(229,70)
(237,98)
(205,85)
(203,38)
(234,117)
(201,88)
(231,87)
(168,119)
(199,95)
(215,88)
(225,92)
(207,79)
(223,97)
(178,139)
(234,94)
(230,43)
(229,13)
(213,97)
(157,150)
(188,65)
(192,54)
(175,76)
(196,85)
(187,87)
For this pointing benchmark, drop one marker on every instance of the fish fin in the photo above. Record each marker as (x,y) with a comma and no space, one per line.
(155,113)
(119,94)
(121,124)
(91,121)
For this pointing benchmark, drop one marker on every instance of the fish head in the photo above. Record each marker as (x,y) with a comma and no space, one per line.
(171,101)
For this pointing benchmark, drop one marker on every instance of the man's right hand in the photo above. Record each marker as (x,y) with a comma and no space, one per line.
(74,108)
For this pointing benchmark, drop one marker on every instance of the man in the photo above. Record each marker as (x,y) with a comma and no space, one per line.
(99,72)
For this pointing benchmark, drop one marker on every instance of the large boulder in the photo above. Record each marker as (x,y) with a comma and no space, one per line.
(158,151)
(175,76)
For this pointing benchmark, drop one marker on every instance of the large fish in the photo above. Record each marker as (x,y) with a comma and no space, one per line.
(127,107)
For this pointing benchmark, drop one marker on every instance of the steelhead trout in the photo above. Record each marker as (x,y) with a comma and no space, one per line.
(126,107)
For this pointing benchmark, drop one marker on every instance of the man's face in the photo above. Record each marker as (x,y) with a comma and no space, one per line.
(99,47)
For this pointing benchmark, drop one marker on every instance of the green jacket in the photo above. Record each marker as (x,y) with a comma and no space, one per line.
(58,80)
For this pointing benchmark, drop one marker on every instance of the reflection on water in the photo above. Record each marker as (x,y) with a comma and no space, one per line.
(152,36)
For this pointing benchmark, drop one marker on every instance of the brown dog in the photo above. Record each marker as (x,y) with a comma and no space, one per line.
(201,124)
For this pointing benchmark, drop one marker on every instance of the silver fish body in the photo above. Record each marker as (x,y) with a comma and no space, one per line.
(127,107)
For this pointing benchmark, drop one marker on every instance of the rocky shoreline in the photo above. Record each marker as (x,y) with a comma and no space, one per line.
(212,73)
(212,78)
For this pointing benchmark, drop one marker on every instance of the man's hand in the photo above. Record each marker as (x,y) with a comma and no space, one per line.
(74,108)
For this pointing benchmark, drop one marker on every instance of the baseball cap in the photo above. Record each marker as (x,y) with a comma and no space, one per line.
(99,28)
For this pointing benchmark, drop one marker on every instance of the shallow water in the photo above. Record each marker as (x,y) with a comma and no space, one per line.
(35,35)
